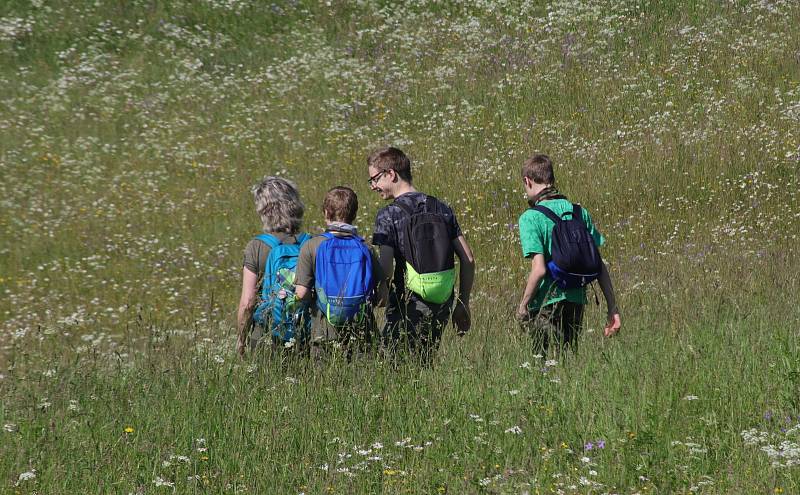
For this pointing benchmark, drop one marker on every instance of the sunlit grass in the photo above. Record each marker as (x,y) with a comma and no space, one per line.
(131,132)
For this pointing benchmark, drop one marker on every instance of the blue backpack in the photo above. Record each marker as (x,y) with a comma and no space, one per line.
(343,278)
(574,259)
(286,317)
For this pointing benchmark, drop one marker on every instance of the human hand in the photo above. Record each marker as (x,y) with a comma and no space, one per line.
(462,319)
(522,314)
(612,325)
(241,346)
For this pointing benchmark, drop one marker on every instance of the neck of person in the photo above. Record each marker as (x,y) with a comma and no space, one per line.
(403,188)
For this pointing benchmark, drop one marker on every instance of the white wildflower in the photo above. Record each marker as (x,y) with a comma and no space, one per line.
(26,476)
(159,481)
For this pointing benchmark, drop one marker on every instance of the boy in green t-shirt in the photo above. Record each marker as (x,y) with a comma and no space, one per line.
(551,314)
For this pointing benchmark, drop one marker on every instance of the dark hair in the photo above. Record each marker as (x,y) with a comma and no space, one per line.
(340,205)
(539,169)
(390,158)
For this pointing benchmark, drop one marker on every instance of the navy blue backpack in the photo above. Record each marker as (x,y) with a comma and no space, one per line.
(279,310)
(574,259)
(343,278)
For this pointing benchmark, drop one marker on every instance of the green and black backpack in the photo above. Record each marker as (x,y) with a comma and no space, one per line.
(428,250)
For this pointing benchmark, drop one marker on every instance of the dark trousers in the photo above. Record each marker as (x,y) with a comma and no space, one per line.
(556,326)
(348,341)
(414,327)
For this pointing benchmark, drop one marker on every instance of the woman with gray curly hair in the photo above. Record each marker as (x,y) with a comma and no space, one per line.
(278,204)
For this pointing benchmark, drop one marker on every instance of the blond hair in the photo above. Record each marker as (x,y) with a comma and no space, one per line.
(278,204)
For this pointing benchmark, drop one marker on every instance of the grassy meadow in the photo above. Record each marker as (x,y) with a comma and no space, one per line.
(132,130)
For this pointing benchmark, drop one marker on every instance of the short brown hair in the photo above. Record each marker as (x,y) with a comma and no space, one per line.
(340,205)
(390,158)
(539,169)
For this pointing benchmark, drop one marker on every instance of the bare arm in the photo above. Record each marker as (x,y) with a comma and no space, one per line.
(386,259)
(244,315)
(304,274)
(466,268)
(613,323)
(302,293)
(538,271)
(382,291)
(466,277)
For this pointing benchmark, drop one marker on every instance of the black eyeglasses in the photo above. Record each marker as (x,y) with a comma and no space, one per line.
(372,180)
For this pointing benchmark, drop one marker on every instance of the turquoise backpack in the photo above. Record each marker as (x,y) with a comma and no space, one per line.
(279,310)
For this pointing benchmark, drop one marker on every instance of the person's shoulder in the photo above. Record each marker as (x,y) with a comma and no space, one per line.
(528,213)
(534,222)
(264,240)
(389,211)
(530,216)
(584,211)
(313,243)
(442,203)
(394,211)
(559,206)
(257,244)
(442,206)
(557,203)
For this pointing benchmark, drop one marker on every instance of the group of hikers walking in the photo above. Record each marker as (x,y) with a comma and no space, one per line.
(317,293)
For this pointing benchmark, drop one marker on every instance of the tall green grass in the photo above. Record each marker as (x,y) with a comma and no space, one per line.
(130,133)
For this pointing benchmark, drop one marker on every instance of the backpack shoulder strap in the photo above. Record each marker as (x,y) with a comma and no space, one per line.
(302,238)
(547,212)
(269,240)
(432,204)
(576,212)
(404,207)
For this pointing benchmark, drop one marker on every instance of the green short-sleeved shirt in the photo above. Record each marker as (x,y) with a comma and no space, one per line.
(536,235)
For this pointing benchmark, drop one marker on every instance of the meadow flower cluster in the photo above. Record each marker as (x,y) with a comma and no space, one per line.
(781,444)
(159,154)
(130,133)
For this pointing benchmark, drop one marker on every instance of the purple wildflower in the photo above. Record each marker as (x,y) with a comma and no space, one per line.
(601,444)
(588,446)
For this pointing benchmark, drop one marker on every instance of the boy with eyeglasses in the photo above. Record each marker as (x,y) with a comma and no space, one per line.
(418,237)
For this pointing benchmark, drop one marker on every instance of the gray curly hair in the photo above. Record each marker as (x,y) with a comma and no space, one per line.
(278,204)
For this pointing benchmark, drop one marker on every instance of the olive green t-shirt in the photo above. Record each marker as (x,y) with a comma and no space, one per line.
(304,275)
(536,236)
(256,253)
(307,261)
